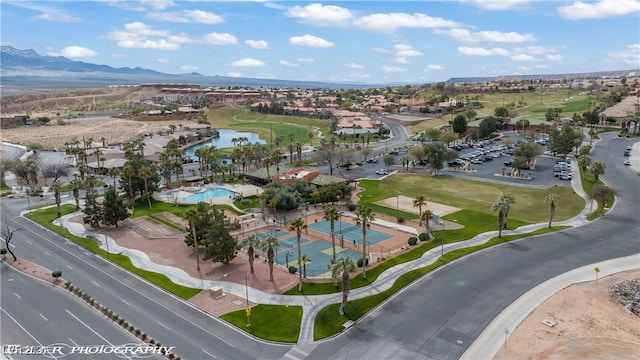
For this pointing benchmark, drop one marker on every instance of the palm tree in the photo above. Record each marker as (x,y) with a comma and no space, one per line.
(114,172)
(310,136)
(552,198)
(331,214)
(331,267)
(298,225)
(146,173)
(76,185)
(305,260)
(508,200)
(364,217)
(500,207)
(419,202)
(344,265)
(130,172)
(193,216)
(268,243)
(426,216)
(56,187)
(584,161)
(250,241)
(597,168)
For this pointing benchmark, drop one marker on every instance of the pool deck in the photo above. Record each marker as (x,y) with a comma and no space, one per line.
(179,195)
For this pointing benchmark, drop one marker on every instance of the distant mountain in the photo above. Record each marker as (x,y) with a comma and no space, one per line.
(546,77)
(28,69)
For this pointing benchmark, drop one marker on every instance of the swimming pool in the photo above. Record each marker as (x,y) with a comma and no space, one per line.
(209,194)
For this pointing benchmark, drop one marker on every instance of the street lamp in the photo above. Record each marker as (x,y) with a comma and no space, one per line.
(397,205)
(341,237)
(442,242)
(246,289)
(286,257)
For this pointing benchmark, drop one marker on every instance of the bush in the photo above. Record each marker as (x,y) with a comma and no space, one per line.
(359,262)
(293,269)
(400,220)
(245,201)
(352,207)
(423,236)
(3,251)
(412,240)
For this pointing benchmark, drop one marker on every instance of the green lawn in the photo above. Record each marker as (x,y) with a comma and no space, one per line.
(530,206)
(270,322)
(263,124)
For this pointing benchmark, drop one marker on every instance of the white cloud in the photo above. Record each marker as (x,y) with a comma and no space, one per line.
(464,50)
(234,74)
(157,4)
(187,16)
(220,39)
(163,61)
(47,10)
(306,60)
(381,51)
(258,44)
(406,50)
(393,69)
(309,40)
(465,35)
(433,67)
(497,4)
(321,15)
(188,68)
(401,60)
(554,57)
(388,23)
(523,58)
(75,52)
(286,63)
(599,9)
(630,56)
(352,65)
(248,62)
(118,56)
(57,17)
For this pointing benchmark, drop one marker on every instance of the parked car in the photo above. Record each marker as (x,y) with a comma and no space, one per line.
(627,162)
(478,161)
(627,153)
(565,176)
(381,172)
(508,163)
(372,161)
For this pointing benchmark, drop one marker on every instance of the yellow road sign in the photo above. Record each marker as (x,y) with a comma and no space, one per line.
(248,311)
(597,270)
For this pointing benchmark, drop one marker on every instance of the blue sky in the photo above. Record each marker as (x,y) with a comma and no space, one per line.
(354,41)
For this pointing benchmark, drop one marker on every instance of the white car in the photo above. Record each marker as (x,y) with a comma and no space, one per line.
(627,162)
(381,172)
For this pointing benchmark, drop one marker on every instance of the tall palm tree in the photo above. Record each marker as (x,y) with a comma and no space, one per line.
(114,172)
(597,168)
(331,214)
(426,216)
(344,265)
(268,243)
(419,202)
(56,187)
(298,225)
(146,173)
(334,275)
(364,217)
(130,172)
(552,199)
(250,241)
(305,260)
(193,217)
(76,185)
(508,199)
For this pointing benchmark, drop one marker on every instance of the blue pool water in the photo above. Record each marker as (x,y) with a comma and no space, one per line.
(209,194)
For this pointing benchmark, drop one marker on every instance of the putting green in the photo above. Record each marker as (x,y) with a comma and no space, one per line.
(329,252)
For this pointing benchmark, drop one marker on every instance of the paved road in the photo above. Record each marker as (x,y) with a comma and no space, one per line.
(442,314)
(168,320)
(37,314)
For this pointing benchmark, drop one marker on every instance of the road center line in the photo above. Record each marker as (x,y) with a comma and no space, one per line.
(18,296)
(125,302)
(45,319)
(69,267)
(46,253)
(208,353)
(163,325)
(95,283)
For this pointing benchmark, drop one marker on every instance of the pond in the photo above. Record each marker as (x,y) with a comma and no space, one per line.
(224,141)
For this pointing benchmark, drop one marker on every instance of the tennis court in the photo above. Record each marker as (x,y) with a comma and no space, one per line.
(275,232)
(350,232)
(319,252)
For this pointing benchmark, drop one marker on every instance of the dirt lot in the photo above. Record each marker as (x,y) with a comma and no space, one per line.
(590,325)
(55,136)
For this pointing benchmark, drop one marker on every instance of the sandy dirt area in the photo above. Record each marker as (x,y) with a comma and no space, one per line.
(55,136)
(589,325)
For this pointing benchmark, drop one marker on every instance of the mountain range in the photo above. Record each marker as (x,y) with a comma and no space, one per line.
(26,69)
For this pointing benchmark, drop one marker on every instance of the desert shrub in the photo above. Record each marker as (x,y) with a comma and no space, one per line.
(293,269)
(423,237)
(412,240)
